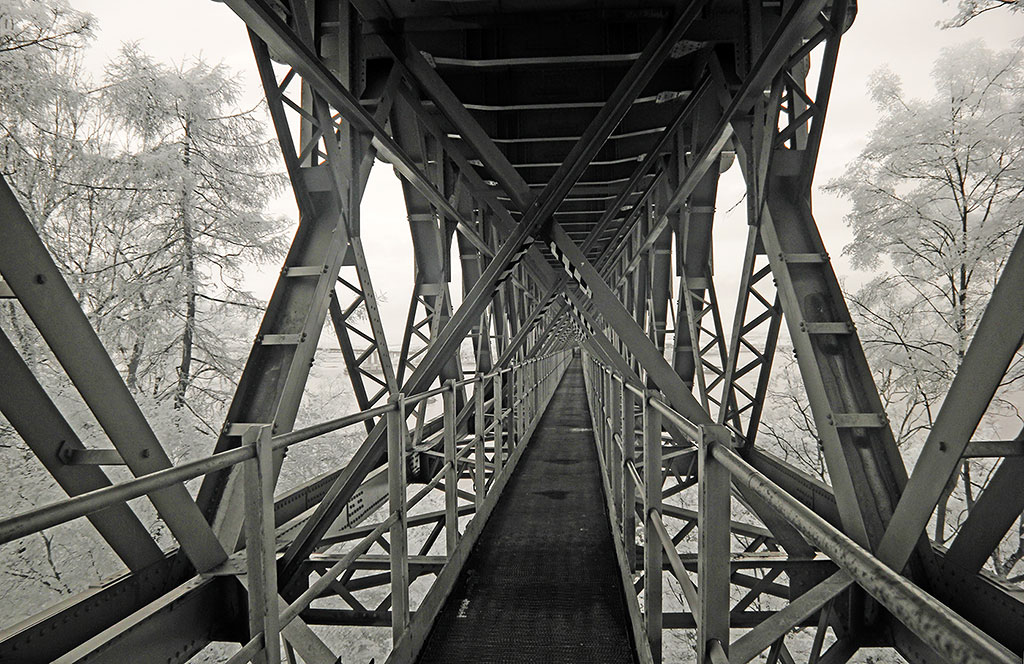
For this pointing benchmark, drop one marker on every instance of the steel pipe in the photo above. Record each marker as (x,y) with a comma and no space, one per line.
(935,624)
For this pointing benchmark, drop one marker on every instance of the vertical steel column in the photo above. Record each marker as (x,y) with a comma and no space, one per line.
(605,429)
(652,511)
(510,423)
(451,473)
(496,408)
(713,520)
(396,504)
(260,550)
(517,402)
(535,380)
(478,452)
(532,391)
(615,458)
(628,502)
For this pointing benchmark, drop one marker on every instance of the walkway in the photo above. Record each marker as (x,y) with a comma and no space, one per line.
(542,583)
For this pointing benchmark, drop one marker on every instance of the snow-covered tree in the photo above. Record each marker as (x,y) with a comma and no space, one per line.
(969,9)
(206,170)
(938,201)
(148,189)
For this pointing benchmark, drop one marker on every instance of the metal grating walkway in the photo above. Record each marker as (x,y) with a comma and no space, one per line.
(542,583)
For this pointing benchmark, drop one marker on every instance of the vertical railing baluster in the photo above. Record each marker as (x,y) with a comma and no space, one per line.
(532,392)
(478,442)
(517,409)
(652,511)
(451,473)
(628,504)
(396,503)
(499,444)
(615,459)
(260,550)
(508,383)
(713,517)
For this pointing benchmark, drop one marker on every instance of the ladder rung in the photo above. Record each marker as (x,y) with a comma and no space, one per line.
(804,258)
(858,420)
(827,328)
(282,339)
(305,271)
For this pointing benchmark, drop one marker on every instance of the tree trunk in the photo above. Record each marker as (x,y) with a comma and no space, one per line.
(960,312)
(131,378)
(188,253)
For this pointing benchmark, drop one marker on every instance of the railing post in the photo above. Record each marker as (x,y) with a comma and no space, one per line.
(527,393)
(606,403)
(602,423)
(615,459)
(499,444)
(451,474)
(652,511)
(508,383)
(532,391)
(713,520)
(478,443)
(396,504)
(628,504)
(516,406)
(260,540)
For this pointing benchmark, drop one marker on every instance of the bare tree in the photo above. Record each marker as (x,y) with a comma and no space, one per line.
(938,200)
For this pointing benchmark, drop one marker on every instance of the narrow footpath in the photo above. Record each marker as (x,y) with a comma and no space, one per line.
(542,583)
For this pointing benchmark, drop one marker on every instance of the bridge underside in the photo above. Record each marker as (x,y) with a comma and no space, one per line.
(566,154)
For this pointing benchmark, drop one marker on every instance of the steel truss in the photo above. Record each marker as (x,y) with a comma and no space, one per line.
(572,160)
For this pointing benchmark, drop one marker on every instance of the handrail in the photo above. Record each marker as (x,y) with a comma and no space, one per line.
(67,509)
(529,387)
(915,608)
(256,643)
(937,626)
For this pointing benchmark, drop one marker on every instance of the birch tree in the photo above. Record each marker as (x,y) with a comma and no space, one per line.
(937,202)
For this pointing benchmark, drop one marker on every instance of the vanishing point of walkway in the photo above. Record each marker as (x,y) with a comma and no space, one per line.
(542,583)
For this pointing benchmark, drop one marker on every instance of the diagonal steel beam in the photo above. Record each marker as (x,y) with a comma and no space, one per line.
(282,40)
(995,342)
(369,454)
(35,417)
(30,272)
(540,210)
(988,521)
(653,155)
(630,332)
(567,174)
(583,151)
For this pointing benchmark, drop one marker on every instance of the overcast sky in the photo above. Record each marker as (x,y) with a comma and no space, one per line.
(903,35)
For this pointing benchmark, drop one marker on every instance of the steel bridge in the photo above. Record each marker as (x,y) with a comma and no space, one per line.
(567,153)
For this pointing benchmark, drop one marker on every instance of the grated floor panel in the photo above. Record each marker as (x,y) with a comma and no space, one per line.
(542,583)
